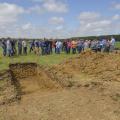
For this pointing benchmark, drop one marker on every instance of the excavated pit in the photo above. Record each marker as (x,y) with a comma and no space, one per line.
(89,70)
(28,78)
(31,77)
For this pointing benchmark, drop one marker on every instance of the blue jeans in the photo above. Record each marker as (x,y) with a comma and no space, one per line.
(58,50)
(9,52)
(68,50)
(79,49)
(74,50)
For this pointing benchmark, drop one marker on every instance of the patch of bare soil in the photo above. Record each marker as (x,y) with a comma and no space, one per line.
(86,87)
(8,92)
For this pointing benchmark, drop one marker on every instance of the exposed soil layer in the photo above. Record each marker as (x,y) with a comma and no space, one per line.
(86,87)
(23,70)
(8,88)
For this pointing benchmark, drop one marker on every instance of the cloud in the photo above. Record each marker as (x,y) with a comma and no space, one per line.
(26,26)
(56,20)
(54,6)
(116,6)
(59,27)
(116,17)
(9,13)
(89,16)
(93,23)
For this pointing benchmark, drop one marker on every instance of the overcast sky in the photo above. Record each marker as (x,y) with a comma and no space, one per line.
(58,18)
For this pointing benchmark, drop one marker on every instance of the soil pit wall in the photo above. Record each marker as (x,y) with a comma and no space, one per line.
(23,70)
(31,77)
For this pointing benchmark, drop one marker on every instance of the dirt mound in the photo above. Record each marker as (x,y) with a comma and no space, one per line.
(100,65)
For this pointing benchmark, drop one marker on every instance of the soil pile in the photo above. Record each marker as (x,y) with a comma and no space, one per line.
(100,65)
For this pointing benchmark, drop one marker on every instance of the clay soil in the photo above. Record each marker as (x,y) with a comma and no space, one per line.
(86,87)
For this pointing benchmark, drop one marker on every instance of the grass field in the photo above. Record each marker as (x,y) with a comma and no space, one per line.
(43,60)
(117,44)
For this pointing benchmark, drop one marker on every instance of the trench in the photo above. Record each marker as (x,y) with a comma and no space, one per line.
(29,78)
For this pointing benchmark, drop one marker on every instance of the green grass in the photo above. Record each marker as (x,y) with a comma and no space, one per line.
(117,44)
(42,60)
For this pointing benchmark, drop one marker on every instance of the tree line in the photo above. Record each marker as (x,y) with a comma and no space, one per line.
(117,37)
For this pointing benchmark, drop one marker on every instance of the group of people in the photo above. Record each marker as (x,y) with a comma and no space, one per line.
(46,47)
(10,46)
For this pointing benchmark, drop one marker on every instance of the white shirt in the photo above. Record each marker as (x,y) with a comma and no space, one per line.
(112,41)
(24,43)
(58,44)
(9,46)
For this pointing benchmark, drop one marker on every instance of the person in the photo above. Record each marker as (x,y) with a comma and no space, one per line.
(93,46)
(43,47)
(98,46)
(68,46)
(40,52)
(65,47)
(112,44)
(86,45)
(58,47)
(51,46)
(79,46)
(9,47)
(13,43)
(4,47)
(107,47)
(32,46)
(54,45)
(74,45)
(104,42)
(36,44)
(19,47)
(47,47)
(24,44)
